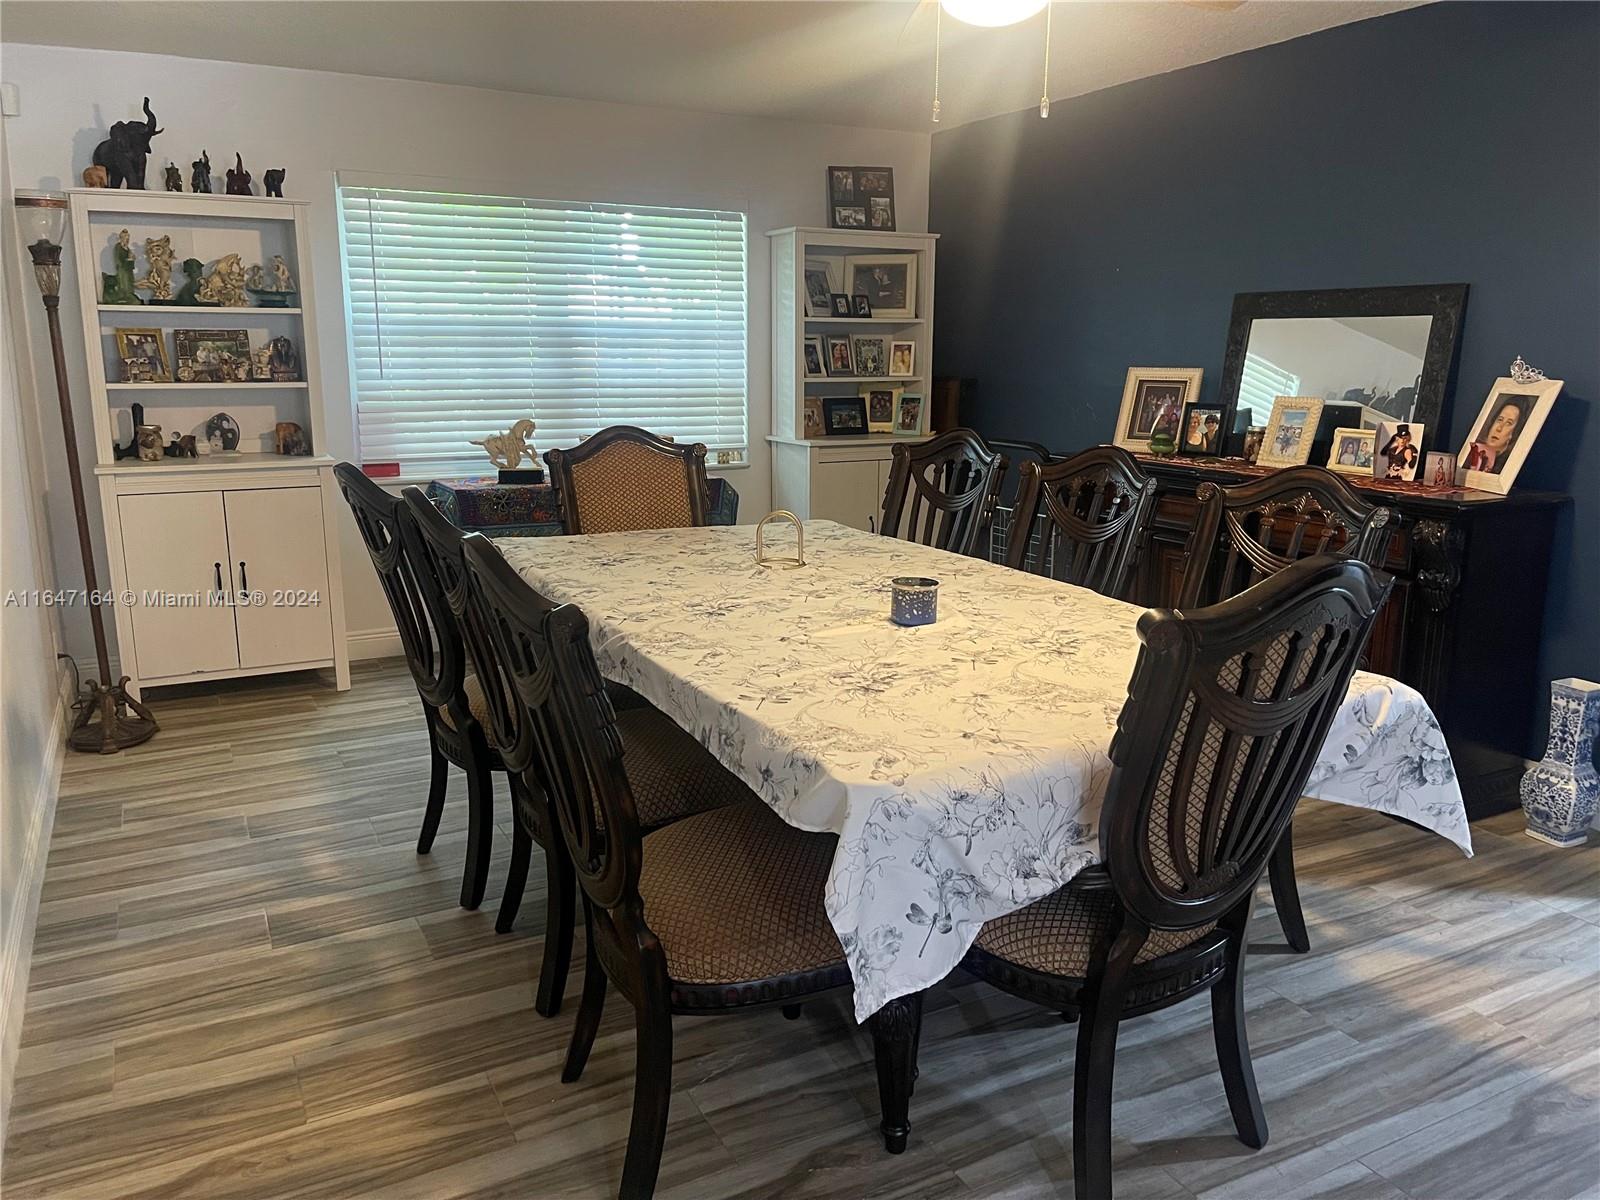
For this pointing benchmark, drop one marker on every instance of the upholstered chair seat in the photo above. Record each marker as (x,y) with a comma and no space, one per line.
(735,896)
(477,705)
(1057,935)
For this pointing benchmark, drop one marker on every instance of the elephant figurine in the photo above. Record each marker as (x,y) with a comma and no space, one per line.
(238,177)
(123,154)
(274,181)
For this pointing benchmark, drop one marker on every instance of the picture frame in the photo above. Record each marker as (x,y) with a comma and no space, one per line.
(883,404)
(1352,451)
(902,358)
(821,282)
(1398,450)
(1200,434)
(812,357)
(888,281)
(839,358)
(148,344)
(909,414)
(1150,396)
(812,413)
(861,198)
(212,355)
(844,416)
(1291,430)
(839,304)
(1499,438)
(870,352)
(1439,469)
(860,306)
(1253,437)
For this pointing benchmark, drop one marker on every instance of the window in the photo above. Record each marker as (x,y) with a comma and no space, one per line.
(1260,383)
(469,313)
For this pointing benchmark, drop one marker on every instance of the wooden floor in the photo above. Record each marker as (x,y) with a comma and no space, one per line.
(247,984)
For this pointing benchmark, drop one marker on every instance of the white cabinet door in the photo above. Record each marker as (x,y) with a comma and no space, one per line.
(278,556)
(176,548)
(847,492)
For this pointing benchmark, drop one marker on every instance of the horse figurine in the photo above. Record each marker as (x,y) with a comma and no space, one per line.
(505,450)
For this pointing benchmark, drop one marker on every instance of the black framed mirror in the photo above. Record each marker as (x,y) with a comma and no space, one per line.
(1391,350)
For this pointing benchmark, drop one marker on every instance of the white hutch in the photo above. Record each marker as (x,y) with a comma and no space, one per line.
(840,478)
(186,536)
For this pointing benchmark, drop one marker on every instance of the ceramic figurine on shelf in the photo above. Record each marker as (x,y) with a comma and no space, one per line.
(238,177)
(200,174)
(148,438)
(224,285)
(506,450)
(281,279)
(123,154)
(174,178)
(279,292)
(1561,793)
(158,275)
(95,177)
(261,364)
(181,446)
(222,431)
(285,361)
(118,288)
(289,438)
(273,180)
(189,294)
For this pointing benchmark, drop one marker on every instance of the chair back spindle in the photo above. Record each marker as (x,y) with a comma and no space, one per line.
(1227,711)
(942,493)
(1092,512)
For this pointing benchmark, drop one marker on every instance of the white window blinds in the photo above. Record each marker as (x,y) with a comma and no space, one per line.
(468,313)
(1260,383)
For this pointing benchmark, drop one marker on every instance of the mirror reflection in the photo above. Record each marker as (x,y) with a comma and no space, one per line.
(1375,362)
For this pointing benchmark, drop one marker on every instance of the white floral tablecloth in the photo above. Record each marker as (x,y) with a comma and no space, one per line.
(963,763)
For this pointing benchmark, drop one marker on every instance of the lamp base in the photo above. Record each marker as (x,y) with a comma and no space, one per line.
(122,720)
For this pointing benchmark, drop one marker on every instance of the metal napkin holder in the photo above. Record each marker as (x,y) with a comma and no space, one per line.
(788,564)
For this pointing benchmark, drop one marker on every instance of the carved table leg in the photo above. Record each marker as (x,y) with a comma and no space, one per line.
(894,1038)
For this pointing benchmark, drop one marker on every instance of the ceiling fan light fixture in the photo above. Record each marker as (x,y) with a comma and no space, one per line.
(992,13)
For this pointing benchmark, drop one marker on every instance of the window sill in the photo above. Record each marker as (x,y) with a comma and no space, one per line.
(422,479)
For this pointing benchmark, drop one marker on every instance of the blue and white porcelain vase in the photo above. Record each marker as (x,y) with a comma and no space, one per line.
(1560,794)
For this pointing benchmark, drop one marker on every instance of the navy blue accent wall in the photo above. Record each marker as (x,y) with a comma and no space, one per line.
(1451,143)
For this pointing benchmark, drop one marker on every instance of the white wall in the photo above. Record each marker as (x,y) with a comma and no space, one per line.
(31,713)
(317,123)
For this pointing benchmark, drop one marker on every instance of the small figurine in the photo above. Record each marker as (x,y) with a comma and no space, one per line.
(149,439)
(95,177)
(281,279)
(290,438)
(280,293)
(506,450)
(285,361)
(273,180)
(222,431)
(118,288)
(123,154)
(158,275)
(174,178)
(238,178)
(261,364)
(181,446)
(200,175)
(224,285)
(189,293)
(138,369)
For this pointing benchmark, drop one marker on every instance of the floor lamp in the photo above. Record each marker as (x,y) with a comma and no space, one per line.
(108,719)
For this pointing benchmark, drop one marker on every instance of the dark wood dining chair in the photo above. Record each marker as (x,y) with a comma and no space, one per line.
(942,493)
(1226,713)
(718,912)
(1243,534)
(626,478)
(431,641)
(1086,519)
(673,774)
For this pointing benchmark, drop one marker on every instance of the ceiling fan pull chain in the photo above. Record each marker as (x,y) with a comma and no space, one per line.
(938,36)
(1044,95)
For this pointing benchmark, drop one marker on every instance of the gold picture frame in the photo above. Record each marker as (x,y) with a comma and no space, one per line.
(1290,431)
(1150,396)
(148,344)
(1353,451)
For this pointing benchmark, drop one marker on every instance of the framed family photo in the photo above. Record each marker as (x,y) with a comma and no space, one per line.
(871,354)
(813,356)
(861,198)
(1505,429)
(820,286)
(844,416)
(883,404)
(1397,450)
(1202,429)
(1352,451)
(908,420)
(1439,469)
(888,281)
(143,353)
(902,359)
(813,421)
(1290,431)
(1153,397)
(839,360)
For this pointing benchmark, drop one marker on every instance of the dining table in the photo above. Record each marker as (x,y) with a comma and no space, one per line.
(963,763)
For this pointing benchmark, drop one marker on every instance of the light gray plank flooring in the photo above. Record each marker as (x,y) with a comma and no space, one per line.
(246,983)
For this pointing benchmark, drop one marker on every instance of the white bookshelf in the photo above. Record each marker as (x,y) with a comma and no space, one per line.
(251,520)
(839,478)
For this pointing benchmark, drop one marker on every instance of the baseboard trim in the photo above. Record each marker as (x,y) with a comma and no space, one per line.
(374,643)
(18,950)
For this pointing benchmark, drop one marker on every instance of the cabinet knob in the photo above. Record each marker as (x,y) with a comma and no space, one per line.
(217,567)
(244,580)
(872,524)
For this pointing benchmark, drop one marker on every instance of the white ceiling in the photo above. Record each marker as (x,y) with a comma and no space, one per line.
(841,61)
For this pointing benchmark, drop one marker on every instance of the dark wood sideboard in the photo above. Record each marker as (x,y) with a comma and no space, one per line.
(1462,625)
